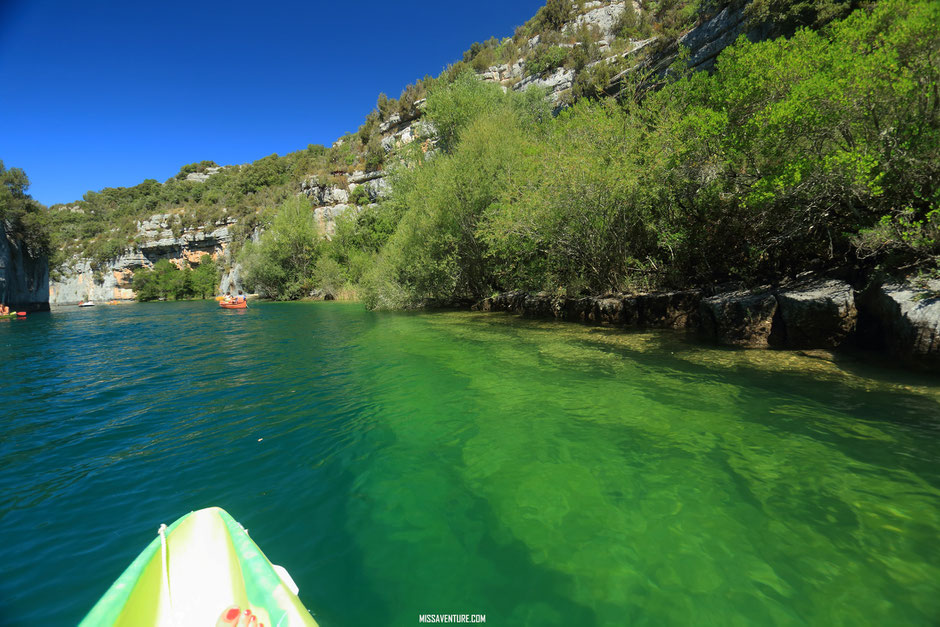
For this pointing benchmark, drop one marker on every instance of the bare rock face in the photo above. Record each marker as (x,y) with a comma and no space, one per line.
(321,194)
(326,217)
(555,83)
(821,314)
(739,318)
(709,38)
(24,280)
(202,177)
(604,17)
(908,318)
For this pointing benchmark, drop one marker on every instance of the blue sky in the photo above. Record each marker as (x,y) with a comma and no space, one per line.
(106,94)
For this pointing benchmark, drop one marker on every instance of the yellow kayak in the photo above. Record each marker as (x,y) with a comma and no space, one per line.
(195,572)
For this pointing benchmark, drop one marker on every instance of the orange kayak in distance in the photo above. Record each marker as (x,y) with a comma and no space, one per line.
(234,305)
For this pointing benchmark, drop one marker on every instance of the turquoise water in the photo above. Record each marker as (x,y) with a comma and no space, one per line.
(537,473)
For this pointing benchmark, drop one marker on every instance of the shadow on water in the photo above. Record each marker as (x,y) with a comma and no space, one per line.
(852,386)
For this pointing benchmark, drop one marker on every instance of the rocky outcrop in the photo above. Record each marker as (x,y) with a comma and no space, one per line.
(813,314)
(820,314)
(906,318)
(672,310)
(202,177)
(505,74)
(24,279)
(159,237)
(330,200)
(321,193)
(709,38)
(810,314)
(556,83)
(739,318)
(601,15)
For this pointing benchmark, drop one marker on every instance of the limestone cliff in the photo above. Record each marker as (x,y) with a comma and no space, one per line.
(82,281)
(24,279)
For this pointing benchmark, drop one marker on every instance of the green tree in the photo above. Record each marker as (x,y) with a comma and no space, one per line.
(205,278)
(281,264)
(146,286)
(554,14)
(24,218)
(329,275)
(451,107)
(435,253)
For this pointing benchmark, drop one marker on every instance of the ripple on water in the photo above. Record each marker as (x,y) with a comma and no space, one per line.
(535,472)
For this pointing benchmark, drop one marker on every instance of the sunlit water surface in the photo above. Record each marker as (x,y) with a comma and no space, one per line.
(537,473)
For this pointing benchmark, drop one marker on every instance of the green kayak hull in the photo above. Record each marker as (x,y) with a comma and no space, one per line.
(201,565)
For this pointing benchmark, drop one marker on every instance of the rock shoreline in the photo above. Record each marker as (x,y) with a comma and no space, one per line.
(901,319)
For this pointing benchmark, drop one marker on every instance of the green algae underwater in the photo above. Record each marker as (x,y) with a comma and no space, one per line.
(539,473)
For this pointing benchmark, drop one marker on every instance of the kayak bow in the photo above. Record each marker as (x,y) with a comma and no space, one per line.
(192,572)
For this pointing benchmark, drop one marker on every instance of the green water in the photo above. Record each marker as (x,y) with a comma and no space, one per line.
(537,473)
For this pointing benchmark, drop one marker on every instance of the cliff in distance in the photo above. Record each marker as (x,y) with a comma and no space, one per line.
(24,279)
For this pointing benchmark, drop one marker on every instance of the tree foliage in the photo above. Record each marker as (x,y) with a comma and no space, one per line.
(23,218)
(812,152)
(281,264)
(167,281)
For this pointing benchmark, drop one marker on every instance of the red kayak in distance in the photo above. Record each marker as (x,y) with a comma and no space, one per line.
(234,304)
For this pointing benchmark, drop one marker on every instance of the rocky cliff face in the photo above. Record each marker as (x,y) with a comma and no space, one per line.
(114,280)
(24,280)
(332,200)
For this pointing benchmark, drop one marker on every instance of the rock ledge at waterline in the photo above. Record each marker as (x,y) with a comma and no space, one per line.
(901,318)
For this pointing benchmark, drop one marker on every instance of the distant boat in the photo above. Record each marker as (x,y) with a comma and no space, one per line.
(234,304)
(86,303)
